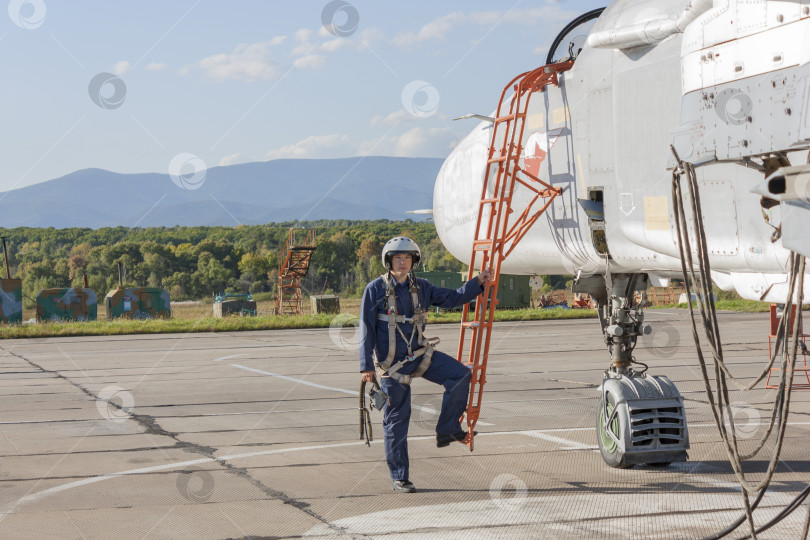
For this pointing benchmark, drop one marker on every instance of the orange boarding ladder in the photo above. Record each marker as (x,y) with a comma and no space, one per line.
(497,231)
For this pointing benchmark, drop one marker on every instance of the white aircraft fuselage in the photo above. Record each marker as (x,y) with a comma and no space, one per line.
(726,83)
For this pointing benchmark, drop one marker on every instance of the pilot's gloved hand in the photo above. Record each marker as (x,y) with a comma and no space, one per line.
(368,376)
(485,277)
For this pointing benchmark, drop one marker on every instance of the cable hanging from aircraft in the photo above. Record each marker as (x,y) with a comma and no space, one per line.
(708,314)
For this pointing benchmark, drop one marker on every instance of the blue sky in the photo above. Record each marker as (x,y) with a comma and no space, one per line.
(251,81)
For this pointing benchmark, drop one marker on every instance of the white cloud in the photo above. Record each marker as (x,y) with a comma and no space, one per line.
(441,27)
(247,62)
(358,42)
(391,119)
(416,142)
(316,146)
(156,66)
(252,61)
(436,29)
(233,159)
(121,67)
(303,35)
(311,61)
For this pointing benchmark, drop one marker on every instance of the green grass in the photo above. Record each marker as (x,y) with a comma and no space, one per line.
(747,306)
(197,323)
(520,315)
(238,324)
(162,326)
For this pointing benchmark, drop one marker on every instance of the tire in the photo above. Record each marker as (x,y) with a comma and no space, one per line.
(610,451)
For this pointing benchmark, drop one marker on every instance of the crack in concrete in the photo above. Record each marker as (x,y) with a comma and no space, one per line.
(104,451)
(152,427)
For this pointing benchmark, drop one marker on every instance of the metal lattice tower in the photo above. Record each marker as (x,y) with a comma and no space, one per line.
(292,267)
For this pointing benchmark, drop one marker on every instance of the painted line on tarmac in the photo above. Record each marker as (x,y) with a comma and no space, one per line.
(34,497)
(322,387)
(541,434)
(166,467)
(299,381)
(226,357)
(567,445)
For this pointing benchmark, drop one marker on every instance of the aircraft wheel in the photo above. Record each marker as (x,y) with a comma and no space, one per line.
(607,446)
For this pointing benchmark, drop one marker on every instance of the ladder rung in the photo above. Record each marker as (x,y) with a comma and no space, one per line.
(475,324)
(509,117)
(496,160)
(490,201)
(482,245)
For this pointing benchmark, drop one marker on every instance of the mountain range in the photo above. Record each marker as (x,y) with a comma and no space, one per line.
(250,193)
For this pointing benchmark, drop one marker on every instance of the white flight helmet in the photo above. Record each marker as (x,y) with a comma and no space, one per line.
(400,244)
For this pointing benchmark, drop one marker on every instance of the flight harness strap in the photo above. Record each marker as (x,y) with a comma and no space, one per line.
(365,416)
(388,368)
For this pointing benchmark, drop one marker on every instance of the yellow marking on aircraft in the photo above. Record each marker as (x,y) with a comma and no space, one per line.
(656,214)
(560,115)
(580,174)
(535,121)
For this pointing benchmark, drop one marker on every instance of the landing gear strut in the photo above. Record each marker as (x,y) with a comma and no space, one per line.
(640,417)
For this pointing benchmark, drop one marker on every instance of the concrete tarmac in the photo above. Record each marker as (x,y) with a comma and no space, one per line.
(255,435)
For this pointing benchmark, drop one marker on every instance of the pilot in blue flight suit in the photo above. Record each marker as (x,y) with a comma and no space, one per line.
(393,311)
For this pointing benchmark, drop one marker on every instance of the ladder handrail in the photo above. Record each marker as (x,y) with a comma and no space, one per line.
(501,237)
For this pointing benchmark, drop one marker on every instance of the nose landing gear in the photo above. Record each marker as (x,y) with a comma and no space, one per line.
(640,417)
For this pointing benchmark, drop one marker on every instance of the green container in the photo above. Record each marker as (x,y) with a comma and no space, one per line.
(10,301)
(447,280)
(73,304)
(325,303)
(138,303)
(234,307)
(514,291)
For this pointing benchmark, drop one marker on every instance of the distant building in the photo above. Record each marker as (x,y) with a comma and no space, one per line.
(10,301)
(138,303)
(513,291)
(448,280)
(73,304)
(234,304)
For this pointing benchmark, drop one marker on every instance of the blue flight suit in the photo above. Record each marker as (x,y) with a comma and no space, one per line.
(444,369)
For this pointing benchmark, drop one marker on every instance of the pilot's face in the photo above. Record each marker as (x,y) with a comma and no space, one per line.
(401,263)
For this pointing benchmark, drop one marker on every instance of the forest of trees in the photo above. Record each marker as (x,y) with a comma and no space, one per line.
(197,262)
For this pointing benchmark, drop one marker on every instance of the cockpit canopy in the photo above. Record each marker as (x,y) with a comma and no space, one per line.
(568,43)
